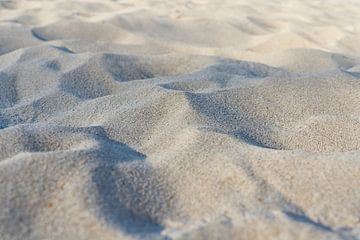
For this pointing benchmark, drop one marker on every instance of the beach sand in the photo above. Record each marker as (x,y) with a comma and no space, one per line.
(179,119)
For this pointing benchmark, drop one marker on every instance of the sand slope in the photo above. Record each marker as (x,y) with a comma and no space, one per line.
(179,120)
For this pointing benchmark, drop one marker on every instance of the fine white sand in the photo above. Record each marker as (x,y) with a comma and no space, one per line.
(181,119)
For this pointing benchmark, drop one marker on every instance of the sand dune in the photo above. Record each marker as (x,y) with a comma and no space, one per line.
(179,119)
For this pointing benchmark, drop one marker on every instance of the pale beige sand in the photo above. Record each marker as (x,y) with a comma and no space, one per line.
(178,119)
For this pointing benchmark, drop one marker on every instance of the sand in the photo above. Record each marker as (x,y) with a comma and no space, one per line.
(179,119)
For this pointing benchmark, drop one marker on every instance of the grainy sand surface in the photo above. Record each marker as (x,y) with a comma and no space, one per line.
(197,119)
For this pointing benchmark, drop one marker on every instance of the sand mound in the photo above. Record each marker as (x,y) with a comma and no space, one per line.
(314,112)
(179,120)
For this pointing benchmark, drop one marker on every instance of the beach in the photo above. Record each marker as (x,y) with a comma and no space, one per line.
(184,119)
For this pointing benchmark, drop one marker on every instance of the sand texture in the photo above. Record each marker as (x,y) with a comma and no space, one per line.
(181,119)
